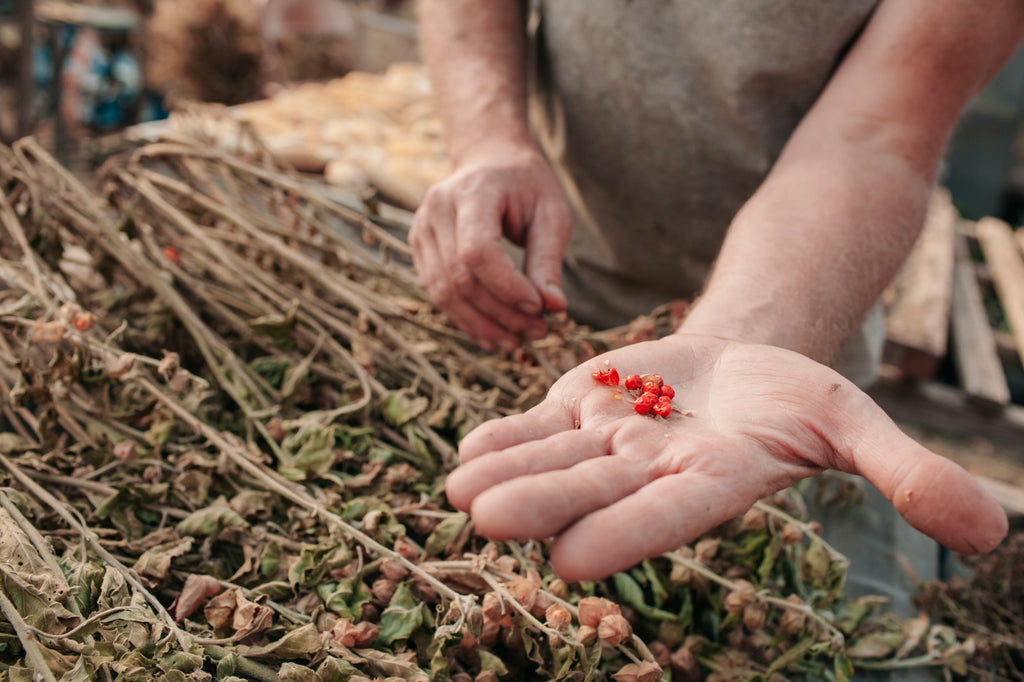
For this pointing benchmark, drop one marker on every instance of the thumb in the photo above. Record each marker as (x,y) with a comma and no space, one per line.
(934,494)
(545,244)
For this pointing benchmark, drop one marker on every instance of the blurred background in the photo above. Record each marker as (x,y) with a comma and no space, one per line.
(72,73)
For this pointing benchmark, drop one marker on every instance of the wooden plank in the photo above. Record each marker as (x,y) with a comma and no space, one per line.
(975,350)
(918,300)
(1006,266)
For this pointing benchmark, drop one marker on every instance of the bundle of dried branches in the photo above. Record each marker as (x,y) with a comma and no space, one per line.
(227,416)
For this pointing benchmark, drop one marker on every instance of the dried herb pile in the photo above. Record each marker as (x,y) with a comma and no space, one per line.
(227,414)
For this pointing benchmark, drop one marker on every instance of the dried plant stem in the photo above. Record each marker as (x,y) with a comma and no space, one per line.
(90,538)
(835,554)
(28,640)
(698,567)
(273,483)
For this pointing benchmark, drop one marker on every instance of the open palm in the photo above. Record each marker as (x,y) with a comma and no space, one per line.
(616,487)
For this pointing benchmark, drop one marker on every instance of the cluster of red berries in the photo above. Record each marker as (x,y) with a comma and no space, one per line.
(652,395)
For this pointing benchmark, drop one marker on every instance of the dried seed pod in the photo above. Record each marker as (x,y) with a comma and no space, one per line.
(508,564)
(755,614)
(741,596)
(681,575)
(393,570)
(559,588)
(648,671)
(793,621)
(493,607)
(126,450)
(354,635)
(792,534)
(614,629)
(592,609)
(523,591)
(586,635)
(275,428)
(627,673)
(815,527)
(407,549)
(490,632)
(662,654)
(168,365)
(683,660)
(706,549)
(753,520)
(383,589)
(120,366)
(557,617)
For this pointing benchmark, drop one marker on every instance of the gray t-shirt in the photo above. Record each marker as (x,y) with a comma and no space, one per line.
(664,116)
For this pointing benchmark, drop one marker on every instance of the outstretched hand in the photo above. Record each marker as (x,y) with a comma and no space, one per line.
(616,487)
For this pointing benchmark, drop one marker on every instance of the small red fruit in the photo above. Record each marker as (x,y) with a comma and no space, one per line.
(645,403)
(651,387)
(663,407)
(656,378)
(611,377)
(634,382)
(667,390)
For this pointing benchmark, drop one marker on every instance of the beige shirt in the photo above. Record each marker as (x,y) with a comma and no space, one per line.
(663,117)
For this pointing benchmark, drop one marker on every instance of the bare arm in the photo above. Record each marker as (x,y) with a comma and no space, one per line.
(813,248)
(476,55)
(502,188)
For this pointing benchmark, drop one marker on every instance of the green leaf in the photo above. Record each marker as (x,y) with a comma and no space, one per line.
(490,661)
(843,667)
(334,669)
(445,533)
(875,645)
(307,452)
(401,407)
(656,583)
(402,616)
(628,589)
(211,521)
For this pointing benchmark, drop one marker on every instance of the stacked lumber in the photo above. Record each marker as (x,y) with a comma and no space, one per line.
(962,283)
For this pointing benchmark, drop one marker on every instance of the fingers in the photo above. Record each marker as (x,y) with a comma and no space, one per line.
(934,494)
(457,288)
(532,457)
(545,246)
(545,503)
(661,516)
(546,419)
(478,234)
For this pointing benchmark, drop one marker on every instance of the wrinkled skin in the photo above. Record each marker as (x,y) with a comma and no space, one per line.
(457,246)
(615,487)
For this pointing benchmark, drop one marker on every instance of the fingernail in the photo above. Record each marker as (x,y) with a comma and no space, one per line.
(528,307)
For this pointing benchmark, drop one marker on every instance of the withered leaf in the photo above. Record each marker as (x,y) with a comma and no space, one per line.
(197,589)
(211,521)
(155,564)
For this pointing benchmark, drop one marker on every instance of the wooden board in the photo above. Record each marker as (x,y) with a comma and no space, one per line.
(918,300)
(976,351)
(1006,265)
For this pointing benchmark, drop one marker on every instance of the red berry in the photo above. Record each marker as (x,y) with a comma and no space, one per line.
(611,377)
(651,387)
(644,403)
(634,382)
(656,378)
(663,407)
(667,390)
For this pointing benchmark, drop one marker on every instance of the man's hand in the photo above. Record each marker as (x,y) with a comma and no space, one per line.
(616,487)
(457,246)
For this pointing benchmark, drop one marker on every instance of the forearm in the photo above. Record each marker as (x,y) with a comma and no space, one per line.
(814,247)
(476,55)
(812,250)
